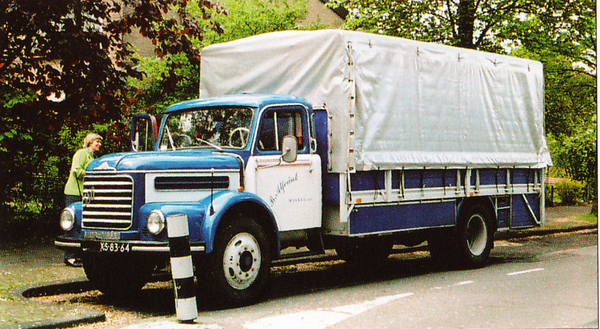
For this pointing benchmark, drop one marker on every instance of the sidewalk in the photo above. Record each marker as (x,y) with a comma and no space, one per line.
(37,268)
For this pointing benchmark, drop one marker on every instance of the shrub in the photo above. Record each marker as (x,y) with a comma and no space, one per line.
(570,192)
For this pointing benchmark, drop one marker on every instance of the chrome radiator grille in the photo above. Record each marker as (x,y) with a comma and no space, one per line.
(107,202)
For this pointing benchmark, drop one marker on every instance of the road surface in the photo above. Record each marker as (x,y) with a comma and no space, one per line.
(537,282)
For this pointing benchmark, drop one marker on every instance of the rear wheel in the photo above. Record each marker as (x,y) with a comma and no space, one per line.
(239,265)
(475,236)
(469,244)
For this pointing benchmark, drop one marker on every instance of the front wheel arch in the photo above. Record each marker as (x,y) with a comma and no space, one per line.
(228,205)
(257,213)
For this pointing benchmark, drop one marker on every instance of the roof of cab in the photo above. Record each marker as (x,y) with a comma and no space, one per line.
(242,100)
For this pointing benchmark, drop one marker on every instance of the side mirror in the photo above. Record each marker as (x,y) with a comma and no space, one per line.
(290,149)
(144,132)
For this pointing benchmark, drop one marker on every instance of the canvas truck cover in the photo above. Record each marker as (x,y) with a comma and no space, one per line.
(395,103)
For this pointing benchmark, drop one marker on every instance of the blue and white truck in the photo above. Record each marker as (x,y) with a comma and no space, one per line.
(327,140)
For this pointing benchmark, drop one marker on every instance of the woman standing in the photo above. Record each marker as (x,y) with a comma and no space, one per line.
(74,186)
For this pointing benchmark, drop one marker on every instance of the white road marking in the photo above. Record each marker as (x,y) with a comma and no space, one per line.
(464,283)
(321,318)
(525,272)
(170,323)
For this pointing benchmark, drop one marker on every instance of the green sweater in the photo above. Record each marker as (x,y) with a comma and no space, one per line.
(81,159)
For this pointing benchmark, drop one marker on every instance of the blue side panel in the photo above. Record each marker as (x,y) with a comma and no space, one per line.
(375,180)
(491,177)
(414,178)
(521,216)
(522,176)
(368,180)
(437,178)
(365,220)
(331,189)
(419,178)
(331,183)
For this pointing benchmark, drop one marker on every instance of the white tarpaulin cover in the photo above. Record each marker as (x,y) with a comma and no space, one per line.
(394,102)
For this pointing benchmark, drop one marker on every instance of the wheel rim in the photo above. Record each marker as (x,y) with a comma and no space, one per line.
(476,236)
(241,261)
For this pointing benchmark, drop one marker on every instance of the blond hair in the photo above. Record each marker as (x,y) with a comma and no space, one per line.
(90,138)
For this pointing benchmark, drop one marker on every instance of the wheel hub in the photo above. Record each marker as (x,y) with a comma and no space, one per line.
(476,235)
(241,261)
(246,261)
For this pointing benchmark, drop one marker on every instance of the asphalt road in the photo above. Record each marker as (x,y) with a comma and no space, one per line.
(537,282)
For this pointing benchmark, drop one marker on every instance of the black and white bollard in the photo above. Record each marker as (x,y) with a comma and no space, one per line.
(181,267)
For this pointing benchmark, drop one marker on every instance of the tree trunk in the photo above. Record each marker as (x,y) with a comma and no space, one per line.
(466,24)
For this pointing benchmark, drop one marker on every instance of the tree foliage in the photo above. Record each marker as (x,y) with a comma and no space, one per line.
(244,18)
(64,67)
(464,23)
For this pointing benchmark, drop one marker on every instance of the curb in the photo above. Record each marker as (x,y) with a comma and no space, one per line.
(93,316)
(542,232)
(53,288)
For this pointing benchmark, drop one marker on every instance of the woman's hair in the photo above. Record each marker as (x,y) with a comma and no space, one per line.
(90,138)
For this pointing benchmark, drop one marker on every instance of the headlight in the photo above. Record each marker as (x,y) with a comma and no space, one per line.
(156,222)
(67,219)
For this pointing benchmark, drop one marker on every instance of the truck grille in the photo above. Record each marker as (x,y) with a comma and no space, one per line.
(107,202)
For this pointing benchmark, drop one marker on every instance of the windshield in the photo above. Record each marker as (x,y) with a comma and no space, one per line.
(208,127)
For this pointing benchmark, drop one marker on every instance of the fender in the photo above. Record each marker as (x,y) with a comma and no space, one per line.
(77,211)
(224,201)
(487,202)
(196,213)
(205,216)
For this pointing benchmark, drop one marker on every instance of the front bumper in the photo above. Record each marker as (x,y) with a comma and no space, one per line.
(121,246)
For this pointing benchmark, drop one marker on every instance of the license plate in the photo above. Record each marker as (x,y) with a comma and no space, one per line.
(116,247)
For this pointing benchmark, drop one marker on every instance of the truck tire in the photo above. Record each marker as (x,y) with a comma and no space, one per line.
(468,245)
(475,236)
(239,265)
(119,278)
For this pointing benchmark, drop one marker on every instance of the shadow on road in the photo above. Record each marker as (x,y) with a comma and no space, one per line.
(157,298)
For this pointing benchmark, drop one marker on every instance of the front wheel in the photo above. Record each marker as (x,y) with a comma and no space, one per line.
(239,265)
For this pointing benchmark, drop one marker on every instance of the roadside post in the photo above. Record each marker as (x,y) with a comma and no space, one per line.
(181,267)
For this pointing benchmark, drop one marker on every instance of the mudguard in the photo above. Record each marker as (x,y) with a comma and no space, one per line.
(484,201)
(205,216)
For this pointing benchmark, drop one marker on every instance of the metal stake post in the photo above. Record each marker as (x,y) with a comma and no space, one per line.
(182,268)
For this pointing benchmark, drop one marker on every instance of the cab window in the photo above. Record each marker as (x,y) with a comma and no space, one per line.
(277,124)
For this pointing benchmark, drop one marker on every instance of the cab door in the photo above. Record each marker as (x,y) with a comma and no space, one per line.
(292,188)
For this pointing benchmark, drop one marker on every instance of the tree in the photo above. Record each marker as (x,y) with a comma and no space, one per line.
(464,23)
(562,35)
(579,153)
(65,64)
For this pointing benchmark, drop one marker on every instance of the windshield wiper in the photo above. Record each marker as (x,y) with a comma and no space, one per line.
(210,144)
(170,138)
